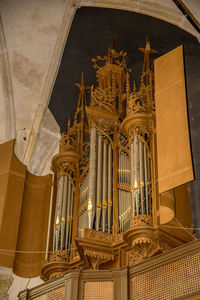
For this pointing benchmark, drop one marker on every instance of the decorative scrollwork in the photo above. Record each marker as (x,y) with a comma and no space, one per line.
(146,249)
(84,161)
(113,57)
(98,235)
(142,220)
(59,255)
(69,141)
(136,105)
(123,144)
(103,98)
(65,168)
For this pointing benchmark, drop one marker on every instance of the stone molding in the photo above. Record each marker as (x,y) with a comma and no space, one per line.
(6,281)
(151,8)
(8,98)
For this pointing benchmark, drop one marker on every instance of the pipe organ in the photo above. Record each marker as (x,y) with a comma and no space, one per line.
(107,202)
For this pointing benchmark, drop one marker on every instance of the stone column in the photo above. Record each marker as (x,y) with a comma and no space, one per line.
(6,281)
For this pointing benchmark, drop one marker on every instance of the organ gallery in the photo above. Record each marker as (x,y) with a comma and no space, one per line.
(113,204)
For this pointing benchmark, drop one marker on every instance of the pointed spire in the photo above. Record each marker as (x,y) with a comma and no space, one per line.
(82,96)
(147,51)
(82,85)
(111,51)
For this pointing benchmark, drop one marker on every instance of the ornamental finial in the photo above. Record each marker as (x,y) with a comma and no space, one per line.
(113,57)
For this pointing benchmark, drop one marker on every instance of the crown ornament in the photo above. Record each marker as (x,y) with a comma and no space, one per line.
(113,57)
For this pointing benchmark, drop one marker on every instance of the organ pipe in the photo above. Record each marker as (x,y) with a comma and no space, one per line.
(124,196)
(141,151)
(58,213)
(105,184)
(137,173)
(146,179)
(99,182)
(92,178)
(68,217)
(63,217)
(120,211)
(149,180)
(140,177)
(109,186)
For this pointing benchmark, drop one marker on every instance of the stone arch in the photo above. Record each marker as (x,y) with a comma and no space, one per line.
(7,89)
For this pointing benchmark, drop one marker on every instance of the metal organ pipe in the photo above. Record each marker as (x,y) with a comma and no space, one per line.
(63,217)
(149,180)
(109,186)
(132,178)
(141,150)
(123,204)
(120,211)
(92,178)
(82,222)
(137,174)
(105,184)
(99,181)
(68,216)
(58,213)
(124,196)
(140,177)
(122,168)
(146,179)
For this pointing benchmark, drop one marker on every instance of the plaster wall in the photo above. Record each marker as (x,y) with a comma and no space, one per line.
(31,28)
